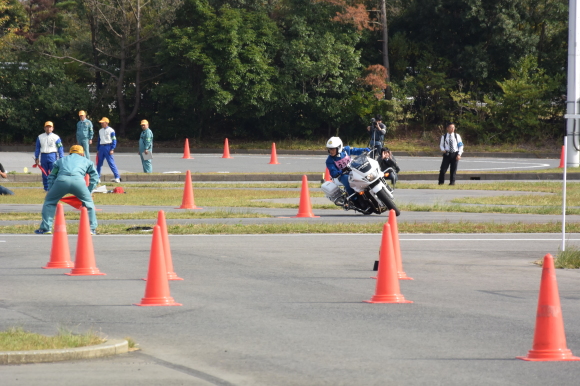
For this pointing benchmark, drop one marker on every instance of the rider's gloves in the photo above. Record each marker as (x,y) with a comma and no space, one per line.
(367,149)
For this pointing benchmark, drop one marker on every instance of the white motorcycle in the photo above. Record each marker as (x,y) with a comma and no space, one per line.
(368,181)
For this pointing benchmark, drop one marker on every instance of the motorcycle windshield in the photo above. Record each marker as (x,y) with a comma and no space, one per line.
(361,163)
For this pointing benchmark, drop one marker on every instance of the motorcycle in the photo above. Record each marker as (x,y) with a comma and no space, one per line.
(374,194)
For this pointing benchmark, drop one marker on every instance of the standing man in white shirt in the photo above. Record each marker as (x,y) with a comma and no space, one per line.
(452,147)
(48,150)
(106,143)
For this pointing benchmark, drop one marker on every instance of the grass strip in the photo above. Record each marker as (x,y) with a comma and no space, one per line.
(143,215)
(17,339)
(305,227)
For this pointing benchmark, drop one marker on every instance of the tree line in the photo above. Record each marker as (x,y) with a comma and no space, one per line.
(285,69)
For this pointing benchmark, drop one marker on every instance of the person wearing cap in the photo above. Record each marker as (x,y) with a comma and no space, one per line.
(48,150)
(146,146)
(85,132)
(68,176)
(106,143)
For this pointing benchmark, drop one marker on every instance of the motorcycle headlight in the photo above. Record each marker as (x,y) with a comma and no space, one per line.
(371,177)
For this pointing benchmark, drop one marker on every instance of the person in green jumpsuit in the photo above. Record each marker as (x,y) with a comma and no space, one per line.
(68,176)
(146,146)
(84,132)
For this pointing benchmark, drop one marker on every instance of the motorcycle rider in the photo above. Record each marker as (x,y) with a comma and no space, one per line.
(338,159)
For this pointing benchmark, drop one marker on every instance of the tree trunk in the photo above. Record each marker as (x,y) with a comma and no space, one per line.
(120,84)
(385,31)
(137,66)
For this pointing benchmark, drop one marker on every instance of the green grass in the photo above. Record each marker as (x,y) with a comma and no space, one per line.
(143,215)
(305,227)
(17,339)
(570,258)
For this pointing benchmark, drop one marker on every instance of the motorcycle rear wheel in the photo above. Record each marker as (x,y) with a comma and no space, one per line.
(384,197)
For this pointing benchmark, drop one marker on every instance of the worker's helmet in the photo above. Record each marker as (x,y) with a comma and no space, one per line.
(334,143)
(77,149)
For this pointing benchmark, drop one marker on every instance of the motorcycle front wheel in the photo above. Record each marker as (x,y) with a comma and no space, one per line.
(384,197)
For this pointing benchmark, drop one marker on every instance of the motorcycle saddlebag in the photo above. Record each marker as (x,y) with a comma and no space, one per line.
(331,190)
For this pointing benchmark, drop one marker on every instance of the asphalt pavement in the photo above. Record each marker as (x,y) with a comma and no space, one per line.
(259,163)
(288,310)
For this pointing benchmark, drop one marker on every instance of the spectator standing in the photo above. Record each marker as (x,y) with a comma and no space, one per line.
(452,148)
(377,130)
(85,133)
(4,190)
(48,150)
(68,176)
(146,146)
(106,144)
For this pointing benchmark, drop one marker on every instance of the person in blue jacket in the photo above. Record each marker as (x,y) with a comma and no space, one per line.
(106,143)
(146,146)
(48,150)
(84,132)
(68,176)
(339,158)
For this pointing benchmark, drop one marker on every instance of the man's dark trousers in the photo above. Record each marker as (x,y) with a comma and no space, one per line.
(449,159)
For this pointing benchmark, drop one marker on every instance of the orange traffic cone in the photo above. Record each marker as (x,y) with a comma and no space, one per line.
(387,290)
(562,157)
(274,157)
(397,245)
(85,257)
(305,208)
(226,150)
(171,275)
(87,179)
(549,336)
(60,252)
(186,154)
(157,288)
(188,202)
(327,175)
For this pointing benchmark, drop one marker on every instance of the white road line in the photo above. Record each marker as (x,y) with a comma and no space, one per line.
(483,238)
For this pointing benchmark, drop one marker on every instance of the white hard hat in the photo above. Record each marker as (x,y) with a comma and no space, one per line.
(334,143)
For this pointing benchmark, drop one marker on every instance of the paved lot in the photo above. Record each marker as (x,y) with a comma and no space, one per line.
(204,163)
(287,310)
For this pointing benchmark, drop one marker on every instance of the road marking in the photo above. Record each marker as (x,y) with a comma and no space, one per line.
(339,234)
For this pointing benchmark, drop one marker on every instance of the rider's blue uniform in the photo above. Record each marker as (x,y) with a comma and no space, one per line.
(336,164)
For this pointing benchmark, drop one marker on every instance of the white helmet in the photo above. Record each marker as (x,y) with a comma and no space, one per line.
(334,143)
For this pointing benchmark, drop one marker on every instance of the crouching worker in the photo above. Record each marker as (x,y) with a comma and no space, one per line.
(387,160)
(68,176)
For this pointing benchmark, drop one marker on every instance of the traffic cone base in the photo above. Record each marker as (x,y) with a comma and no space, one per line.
(186,154)
(549,355)
(85,272)
(388,299)
(305,208)
(163,301)
(549,336)
(60,251)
